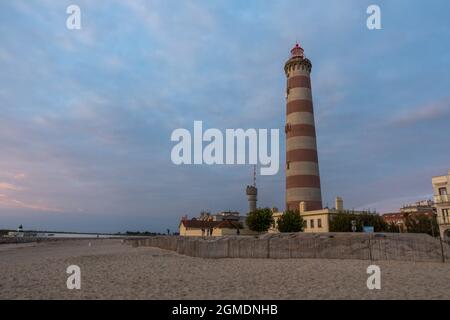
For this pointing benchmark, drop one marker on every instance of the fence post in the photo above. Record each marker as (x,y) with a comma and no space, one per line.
(442,249)
(370,249)
(315,247)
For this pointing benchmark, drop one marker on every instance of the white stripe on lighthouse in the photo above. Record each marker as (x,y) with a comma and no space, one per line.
(299,93)
(299,168)
(299,72)
(304,194)
(301,142)
(300,118)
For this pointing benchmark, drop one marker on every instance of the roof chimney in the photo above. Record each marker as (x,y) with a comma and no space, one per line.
(339,204)
(302,206)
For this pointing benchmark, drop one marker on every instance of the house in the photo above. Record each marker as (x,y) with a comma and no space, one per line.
(316,221)
(411,210)
(203,228)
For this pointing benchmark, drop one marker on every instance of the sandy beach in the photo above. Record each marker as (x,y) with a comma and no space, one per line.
(112,270)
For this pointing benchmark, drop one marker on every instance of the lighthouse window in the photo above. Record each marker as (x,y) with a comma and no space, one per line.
(311,223)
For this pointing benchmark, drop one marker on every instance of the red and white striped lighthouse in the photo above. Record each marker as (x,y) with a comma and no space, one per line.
(302,165)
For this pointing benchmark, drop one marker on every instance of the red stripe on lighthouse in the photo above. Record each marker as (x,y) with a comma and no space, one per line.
(310,205)
(302,155)
(299,82)
(303,181)
(296,130)
(299,106)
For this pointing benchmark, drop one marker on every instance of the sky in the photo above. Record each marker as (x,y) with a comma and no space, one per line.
(86,115)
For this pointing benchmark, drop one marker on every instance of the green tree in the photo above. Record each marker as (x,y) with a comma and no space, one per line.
(342,222)
(290,221)
(421,223)
(260,220)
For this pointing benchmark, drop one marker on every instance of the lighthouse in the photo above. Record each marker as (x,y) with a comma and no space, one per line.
(302,165)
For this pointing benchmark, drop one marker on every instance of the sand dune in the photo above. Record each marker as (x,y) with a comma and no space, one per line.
(112,270)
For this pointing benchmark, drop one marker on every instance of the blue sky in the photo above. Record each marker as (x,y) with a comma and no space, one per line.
(86,116)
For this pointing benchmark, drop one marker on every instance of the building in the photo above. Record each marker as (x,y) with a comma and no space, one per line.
(441,188)
(302,165)
(228,215)
(204,228)
(316,221)
(424,207)
(396,218)
(220,224)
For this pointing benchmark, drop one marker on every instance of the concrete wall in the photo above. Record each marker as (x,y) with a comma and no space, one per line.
(376,246)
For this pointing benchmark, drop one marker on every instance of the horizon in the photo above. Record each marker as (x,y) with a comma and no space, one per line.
(87,115)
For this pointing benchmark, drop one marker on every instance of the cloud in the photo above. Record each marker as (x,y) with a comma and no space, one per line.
(86,115)
(8,186)
(423,114)
(20,176)
(9,202)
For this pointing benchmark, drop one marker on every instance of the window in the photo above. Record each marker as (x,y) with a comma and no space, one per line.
(311,223)
(287,127)
(443,191)
(319,223)
(445,217)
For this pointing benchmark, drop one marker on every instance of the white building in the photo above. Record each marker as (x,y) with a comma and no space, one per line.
(441,187)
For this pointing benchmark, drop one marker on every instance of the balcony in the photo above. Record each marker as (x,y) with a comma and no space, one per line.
(442,199)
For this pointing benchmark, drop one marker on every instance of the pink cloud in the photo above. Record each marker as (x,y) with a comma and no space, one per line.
(9,202)
(9,186)
(20,176)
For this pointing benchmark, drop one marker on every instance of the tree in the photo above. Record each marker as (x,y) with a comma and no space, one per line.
(342,222)
(290,221)
(393,228)
(260,220)
(421,223)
